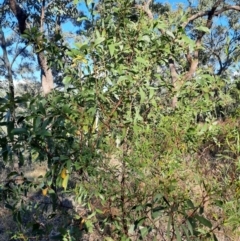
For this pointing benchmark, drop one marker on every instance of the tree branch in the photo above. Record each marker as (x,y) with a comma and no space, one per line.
(146,9)
(20,15)
(220,63)
(42,16)
(195,60)
(206,13)
(227,8)
(17,54)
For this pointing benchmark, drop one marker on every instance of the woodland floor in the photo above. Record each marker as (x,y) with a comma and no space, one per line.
(64,216)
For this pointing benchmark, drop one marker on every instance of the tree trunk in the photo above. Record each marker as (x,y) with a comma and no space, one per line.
(46,74)
(9,73)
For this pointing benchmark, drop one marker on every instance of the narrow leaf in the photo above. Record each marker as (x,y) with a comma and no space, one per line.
(18,131)
(111,49)
(169,33)
(203,29)
(98,41)
(178,234)
(204,221)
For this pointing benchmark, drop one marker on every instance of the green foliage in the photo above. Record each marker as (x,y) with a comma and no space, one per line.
(139,168)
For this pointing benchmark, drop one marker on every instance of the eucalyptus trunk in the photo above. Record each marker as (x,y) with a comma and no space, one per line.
(9,73)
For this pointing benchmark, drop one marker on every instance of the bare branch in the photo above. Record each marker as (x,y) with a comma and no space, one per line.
(42,16)
(148,3)
(50,3)
(227,8)
(206,13)
(17,54)
(220,63)
(195,60)
(20,15)
(146,9)
(194,17)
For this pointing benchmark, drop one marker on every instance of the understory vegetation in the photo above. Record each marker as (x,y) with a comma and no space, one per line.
(139,139)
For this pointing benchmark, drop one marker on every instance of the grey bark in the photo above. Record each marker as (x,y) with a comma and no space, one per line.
(9,73)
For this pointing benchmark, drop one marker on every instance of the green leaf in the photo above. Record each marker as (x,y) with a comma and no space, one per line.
(157,197)
(142,95)
(34,155)
(142,61)
(145,38)
(139,222)
(10,127)
(111,49)
(3,100)
(203,221)
(186,231)
(169,33)
(82,18)
(21,159)
(8,206)
(98,41)
(203,29)
(89,226)
(108,239)
(178,234)
(144,232)
(190,228)
(17,217)
(67,80)
(18,131)
(157,211)
(36,123)
(190,203)
(131,229)
(44,133)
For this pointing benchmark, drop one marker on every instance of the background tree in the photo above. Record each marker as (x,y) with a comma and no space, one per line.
(41,22)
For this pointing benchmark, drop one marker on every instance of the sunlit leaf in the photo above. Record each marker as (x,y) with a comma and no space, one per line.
(45,191)
(65,182)
(63,173)
(111,49)
(204,29)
